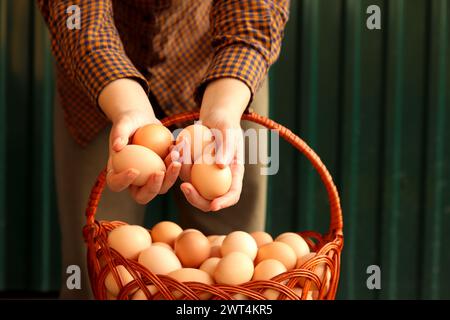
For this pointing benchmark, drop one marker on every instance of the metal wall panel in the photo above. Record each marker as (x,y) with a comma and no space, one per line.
(374,104)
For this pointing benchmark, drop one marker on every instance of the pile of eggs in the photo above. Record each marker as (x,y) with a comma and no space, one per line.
(151,144)
(190,256)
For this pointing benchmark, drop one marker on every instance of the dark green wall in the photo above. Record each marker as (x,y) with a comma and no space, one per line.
(373,104)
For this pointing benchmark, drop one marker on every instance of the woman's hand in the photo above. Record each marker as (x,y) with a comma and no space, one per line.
(223,103)
(127,106)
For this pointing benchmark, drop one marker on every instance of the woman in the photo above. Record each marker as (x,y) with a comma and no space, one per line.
(131,63)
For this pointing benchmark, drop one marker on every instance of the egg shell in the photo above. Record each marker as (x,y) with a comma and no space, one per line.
(216,244)
(218,241)
(140,158)
(215,252)
(155,137)
(162,244)
(240,296)
(239,241)
(311,295)
(210,265)
(233,269)
(279,251)
(112,285)
(140,294)
(166,231)
(199,138)
(267,269)
(191,230)
(261,238)
(159,260)
(212,238)
(210,180)
(192,275)
(319,270)
(129,240)
(110,296)
(296,242)
(192,248)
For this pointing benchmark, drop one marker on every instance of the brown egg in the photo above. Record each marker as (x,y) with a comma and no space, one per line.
(240,296)
(129,240)
(209,265)
(279,251)
(261,238)
(162,244)
(159,260)
(140,294)
(216,244)
(140,158)
(311,295)
(200,138)
(192,248)
(112,285)
(217,241)
(239,241)
(191,275)
(233,269)
(266,270)
(296,242)
(155,137)
(210,181)
(166,231)
(215,252)
(212,238)
(192,230)
(110,296)
(319,270)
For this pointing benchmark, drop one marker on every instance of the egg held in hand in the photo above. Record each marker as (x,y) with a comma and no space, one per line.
(146,161)
(210,180)
(200,139)
(155,137)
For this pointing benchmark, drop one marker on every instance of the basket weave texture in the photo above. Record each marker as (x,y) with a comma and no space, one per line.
(316,285)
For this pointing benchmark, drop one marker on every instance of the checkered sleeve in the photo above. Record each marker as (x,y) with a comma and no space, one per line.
(92,55)
(247,37)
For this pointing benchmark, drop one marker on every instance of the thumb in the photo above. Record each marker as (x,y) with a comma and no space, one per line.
(225,145)
(120,133)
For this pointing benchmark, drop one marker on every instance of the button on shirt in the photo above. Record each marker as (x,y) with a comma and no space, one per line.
(173,48)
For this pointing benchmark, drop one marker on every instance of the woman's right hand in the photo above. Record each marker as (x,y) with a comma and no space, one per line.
(127,106)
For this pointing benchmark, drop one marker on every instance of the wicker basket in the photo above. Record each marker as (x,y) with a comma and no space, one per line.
(102,259)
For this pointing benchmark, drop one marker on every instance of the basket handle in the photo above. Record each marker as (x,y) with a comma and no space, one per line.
(336,222)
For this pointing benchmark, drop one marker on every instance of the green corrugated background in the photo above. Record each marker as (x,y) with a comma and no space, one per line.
(373,104)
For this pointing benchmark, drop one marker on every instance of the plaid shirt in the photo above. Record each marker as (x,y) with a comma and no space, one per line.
(172,47)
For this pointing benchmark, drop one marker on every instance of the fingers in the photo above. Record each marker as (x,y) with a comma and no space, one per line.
(171,177)
(120,181)
(184,151)
(232,196)
(185,172)
(227,143)
(146,193)
(194,198)
(120,133)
